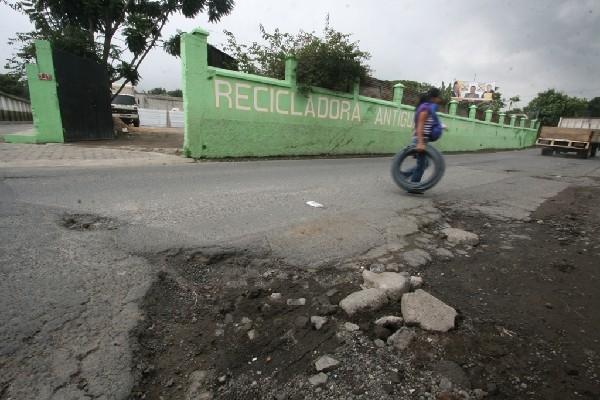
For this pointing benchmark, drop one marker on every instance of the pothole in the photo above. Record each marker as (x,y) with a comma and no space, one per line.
(87,222)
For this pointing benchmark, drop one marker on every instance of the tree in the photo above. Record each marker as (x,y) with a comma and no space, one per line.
(10,84)
(175,93)
(594,107)
(331,60)
(513,100)
(157,91)
(550,106)
(96,28)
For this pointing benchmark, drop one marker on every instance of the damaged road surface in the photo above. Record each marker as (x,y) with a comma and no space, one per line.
(526,293)
(217,281)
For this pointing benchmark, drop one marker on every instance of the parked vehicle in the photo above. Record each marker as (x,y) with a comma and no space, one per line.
(579,135)
(125,107)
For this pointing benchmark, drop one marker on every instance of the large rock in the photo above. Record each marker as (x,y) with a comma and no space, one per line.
(402,338)
(364,300)
(421,308)
(416,258)
(318,379)
(326,363)
(393,283)
(458,236)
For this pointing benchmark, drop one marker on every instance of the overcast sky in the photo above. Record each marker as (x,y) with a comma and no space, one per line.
(525,46)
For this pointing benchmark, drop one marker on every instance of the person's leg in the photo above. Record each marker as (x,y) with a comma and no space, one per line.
(422,164)
(408,173)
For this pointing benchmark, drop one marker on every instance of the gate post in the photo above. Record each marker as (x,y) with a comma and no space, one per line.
(41,79)
(195,85)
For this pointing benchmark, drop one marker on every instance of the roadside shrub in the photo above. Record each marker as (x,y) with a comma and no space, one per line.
(331,60)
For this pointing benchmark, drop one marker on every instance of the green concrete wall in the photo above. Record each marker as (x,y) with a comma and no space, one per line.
(44,100)
(232,114)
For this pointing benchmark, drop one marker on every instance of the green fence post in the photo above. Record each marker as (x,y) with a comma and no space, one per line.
(356,89)
(472,111)
(195,86)
(513,119)
(488,115)
(452,107)
(501,118)
(291,65)
(398,93)
(522,122)
(533,123)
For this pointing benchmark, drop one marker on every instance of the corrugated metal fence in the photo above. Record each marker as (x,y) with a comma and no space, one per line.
(13,108)
(160,118)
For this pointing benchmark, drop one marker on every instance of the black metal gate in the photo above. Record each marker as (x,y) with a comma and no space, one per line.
(83,97)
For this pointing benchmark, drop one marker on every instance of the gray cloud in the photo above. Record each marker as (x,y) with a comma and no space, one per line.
(525,46)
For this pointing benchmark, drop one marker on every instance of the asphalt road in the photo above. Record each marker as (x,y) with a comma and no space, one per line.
(68,299)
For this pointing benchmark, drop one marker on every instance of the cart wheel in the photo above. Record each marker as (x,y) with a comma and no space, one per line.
(547,151)
(594,150)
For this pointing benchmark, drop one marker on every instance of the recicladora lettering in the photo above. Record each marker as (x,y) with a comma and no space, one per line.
(264,99)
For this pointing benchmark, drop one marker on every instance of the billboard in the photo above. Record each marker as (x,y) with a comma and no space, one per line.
(473,91)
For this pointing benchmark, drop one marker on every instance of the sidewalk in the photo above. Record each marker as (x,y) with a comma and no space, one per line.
(67,155)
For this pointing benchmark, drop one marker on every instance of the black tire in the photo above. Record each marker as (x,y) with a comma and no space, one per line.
(547,151)
(594,150)
(136,123)
(435,157)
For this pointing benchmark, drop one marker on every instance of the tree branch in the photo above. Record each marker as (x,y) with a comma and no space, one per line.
(136,62)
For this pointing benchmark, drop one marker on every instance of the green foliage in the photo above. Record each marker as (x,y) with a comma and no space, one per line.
(550,106)
(446,92)
(330,60)
(11,84)
(495,105)
(414,86)
(594,107)
(175,93)
(98,29)
(158,90)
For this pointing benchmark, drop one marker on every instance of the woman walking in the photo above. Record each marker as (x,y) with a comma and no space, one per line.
(427,129)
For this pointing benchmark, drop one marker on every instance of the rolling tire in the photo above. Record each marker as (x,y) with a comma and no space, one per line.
(136,123)
(594,150)
(434,156)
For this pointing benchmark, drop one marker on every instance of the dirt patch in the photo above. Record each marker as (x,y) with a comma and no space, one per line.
(160,140)
(87,222)
(527,298)
(537,284)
